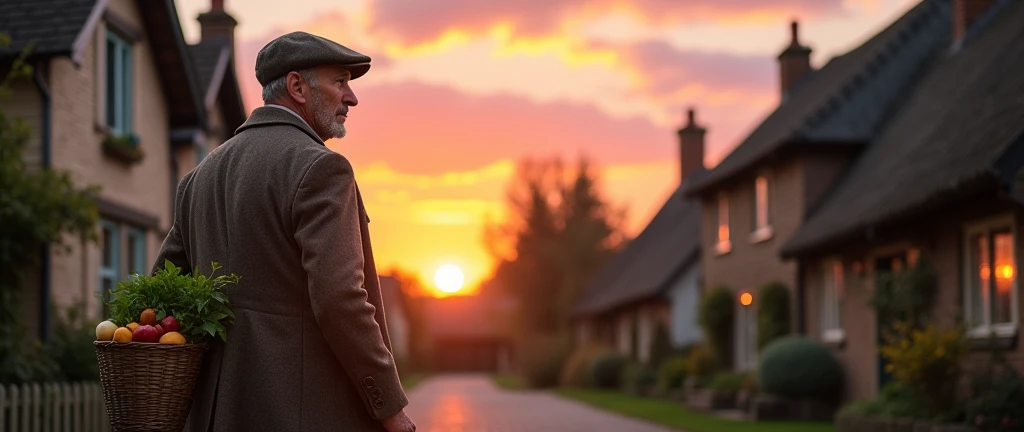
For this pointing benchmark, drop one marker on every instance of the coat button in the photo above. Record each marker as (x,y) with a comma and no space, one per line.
(368,381)
(379,403)
(376,392)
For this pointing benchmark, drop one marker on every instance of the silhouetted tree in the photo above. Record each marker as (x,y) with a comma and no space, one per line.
(560,232)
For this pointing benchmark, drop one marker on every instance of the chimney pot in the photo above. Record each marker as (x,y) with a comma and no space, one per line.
(795,31)
(217,5)
(794,62)
(691,146)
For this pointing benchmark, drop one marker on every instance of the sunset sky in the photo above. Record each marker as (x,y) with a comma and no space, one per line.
(461,89)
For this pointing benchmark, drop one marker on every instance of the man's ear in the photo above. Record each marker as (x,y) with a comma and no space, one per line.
(297,87)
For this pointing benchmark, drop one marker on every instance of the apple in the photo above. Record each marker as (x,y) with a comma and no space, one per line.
(170,324)
(159,330)
(146,333)
(105,331)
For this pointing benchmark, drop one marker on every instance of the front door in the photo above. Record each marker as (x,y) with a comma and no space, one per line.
(886,264)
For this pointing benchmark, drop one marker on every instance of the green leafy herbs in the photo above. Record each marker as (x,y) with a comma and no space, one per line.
(197,301)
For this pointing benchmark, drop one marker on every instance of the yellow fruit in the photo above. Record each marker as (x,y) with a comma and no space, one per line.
(172,338)
(105,331)
(148,317)
(123,335)
(132,326)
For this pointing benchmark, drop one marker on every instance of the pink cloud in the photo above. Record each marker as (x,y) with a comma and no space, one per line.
(414,22)
(666,69)
(419,128)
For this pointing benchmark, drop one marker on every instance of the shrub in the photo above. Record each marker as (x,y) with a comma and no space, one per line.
(729,382)
(999,403)
(700,362)
(543,358)
(716,318)
(661,345)
(576,371)
(905,296)
(895,400)
(927,361)
(801,368)
(70,346)
(772,313)
(607,369)
(639,377)
(672,372)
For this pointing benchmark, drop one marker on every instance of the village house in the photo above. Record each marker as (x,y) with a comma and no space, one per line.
(119,100)
(905,148)
(940,183)
(655,280)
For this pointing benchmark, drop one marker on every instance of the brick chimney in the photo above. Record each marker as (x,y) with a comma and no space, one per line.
(691,147)
(218,24)
(794,62)
(965,13)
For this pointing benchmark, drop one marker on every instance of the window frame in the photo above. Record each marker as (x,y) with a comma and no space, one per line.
(762,231)
(830,307)
(987,227)
(113,271)
(722,220)
(118,112)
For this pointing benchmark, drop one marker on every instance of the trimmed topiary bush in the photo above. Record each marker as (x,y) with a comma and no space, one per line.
(606,371)
(798,367)
(772,313)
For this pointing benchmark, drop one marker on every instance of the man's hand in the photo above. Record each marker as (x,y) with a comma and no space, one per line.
(399,423)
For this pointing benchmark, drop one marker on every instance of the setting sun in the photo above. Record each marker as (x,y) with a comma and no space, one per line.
(449,278)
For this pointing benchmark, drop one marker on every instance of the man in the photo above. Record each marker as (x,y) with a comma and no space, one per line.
(309,350)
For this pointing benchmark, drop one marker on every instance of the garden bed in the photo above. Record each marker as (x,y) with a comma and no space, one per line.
(857,423)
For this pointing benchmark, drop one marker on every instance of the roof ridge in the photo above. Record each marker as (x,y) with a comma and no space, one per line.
(909,24)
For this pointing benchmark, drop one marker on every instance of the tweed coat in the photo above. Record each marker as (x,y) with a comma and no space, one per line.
(309,349)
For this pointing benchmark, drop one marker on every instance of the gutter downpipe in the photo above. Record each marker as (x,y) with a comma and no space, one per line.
(44,136)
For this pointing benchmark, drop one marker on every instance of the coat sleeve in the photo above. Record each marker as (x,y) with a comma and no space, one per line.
(327,230)
(173,248)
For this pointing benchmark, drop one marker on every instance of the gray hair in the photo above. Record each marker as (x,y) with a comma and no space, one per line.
(275,89)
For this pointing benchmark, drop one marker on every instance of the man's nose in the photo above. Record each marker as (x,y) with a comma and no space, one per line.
(350,98)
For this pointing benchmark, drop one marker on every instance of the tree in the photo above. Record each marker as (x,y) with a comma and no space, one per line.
(38,206)
(561,231)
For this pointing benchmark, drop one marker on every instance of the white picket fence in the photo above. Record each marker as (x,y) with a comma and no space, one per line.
(58,407)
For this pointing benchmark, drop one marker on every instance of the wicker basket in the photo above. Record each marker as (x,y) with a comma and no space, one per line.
(148,386)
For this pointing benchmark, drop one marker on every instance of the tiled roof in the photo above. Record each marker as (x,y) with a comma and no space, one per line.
(845,102)
(205,56)
(961,123)
(51,26)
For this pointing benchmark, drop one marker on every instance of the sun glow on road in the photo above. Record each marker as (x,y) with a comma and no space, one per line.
(449,278)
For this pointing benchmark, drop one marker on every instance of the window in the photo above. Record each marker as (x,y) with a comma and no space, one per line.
(831,301)
(110,269)
(746,332)
(762,229)
(990,299)
(723,244)
(118,84)
(123,253)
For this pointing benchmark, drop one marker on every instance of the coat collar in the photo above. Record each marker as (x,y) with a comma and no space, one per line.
(270,116)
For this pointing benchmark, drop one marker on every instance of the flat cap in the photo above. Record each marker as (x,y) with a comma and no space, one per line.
(300,50)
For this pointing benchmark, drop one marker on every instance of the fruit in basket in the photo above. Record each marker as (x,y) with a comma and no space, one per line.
(146,333)
(172,338)
(148,317)
(105,331)
(132,326)
(170,324)
(122,335)
(159,330)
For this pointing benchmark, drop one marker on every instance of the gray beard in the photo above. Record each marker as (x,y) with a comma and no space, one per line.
(327,123)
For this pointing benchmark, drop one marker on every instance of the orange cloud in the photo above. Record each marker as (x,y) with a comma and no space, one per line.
(413,23)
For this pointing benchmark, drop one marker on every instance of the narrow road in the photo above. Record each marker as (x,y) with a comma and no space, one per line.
(472,403)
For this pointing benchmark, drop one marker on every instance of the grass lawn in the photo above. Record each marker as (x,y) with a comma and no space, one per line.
(508,382)
(675,415)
